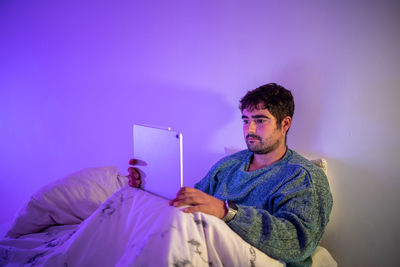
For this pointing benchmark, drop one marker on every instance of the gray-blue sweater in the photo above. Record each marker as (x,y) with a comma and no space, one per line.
(283,208)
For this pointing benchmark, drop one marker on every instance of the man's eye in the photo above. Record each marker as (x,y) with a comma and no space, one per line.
(245,121)
(259,121)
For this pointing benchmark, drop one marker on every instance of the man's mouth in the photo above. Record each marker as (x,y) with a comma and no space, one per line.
(252,138)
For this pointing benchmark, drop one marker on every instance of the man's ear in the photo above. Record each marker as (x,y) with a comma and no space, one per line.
(285,125)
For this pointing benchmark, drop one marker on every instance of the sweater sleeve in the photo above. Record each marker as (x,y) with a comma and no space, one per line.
(291,226)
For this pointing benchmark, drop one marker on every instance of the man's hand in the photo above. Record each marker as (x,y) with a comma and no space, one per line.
(134,175)
(199,201)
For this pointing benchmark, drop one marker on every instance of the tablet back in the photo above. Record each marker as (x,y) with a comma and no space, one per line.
(159,152)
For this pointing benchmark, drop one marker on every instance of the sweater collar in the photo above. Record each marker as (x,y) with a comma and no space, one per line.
(285,158)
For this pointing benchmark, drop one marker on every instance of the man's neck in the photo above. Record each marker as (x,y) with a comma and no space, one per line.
(259,161)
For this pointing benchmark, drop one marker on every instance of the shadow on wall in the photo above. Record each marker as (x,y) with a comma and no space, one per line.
(353,231)
(306,83)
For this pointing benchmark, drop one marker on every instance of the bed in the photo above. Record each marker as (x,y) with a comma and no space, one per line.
(92,218)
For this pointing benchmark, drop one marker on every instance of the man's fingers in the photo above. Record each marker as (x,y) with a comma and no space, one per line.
(134,174)
(132,171)
(184,201)
(197,208)
(177,202)
(198,201)
(134,182)
(187,189)
(190,198)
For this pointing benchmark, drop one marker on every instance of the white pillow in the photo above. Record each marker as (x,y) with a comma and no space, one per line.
(69,200)
(322,258)
(321,162)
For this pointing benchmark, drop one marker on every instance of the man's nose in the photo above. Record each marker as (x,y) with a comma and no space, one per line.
(252,127)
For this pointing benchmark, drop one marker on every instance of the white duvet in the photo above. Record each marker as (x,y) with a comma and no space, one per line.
(80,221)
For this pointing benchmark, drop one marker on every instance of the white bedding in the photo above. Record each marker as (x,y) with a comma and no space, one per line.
(131,228)
(80,221)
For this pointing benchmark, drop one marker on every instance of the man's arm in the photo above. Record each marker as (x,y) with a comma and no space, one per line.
(290,234)
(291,224)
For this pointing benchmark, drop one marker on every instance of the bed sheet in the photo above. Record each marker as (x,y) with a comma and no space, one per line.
(135,228)
(83,219)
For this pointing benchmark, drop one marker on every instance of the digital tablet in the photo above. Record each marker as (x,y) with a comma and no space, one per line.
(160,159)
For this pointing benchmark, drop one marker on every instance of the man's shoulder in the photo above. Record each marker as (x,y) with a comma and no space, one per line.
(312,173)
(299,162)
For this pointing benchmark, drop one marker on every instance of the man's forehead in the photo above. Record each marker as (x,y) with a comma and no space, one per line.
(256,111)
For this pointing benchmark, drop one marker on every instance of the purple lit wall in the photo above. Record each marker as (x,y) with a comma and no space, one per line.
(75,77)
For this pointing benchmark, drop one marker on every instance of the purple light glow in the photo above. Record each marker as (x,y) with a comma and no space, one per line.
(75,77)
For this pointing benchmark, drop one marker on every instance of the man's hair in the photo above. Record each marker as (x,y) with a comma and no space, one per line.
(277,99)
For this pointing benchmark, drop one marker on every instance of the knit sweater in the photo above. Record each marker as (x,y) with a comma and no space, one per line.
(283,209)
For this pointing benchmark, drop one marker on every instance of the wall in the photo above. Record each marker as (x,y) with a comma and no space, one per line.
(75,76)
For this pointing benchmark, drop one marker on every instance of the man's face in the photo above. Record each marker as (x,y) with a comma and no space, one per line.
(260,131)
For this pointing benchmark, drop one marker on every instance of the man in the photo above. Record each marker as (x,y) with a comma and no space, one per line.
(275,199)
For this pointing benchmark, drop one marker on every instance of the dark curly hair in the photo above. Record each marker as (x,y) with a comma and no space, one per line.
(277,99)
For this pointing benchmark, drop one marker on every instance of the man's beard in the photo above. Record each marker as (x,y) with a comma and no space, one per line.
(260,147)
